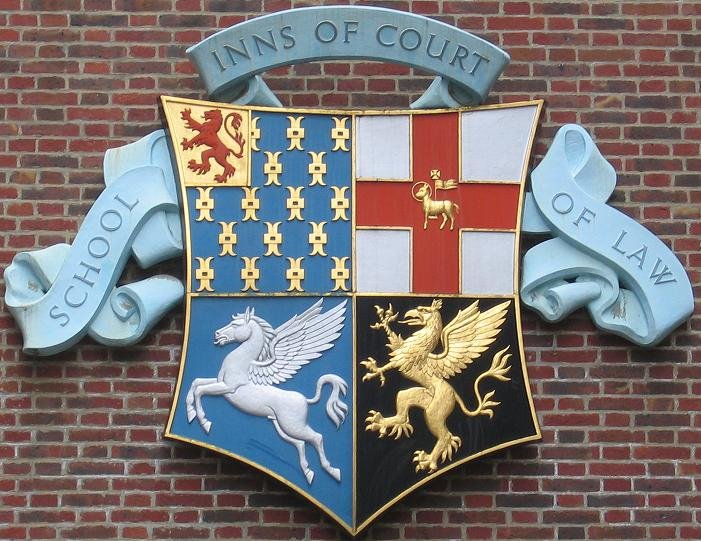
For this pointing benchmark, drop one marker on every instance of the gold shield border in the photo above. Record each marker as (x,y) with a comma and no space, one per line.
(169,104)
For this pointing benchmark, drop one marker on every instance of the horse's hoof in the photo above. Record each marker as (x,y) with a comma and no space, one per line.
(309,474)
(207,425)
(191,414)
(335,473)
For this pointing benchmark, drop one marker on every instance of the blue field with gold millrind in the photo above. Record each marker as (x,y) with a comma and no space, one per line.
(293,225)
(275,248)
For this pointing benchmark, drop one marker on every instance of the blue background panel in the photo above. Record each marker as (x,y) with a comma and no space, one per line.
(295,233)
(255,438)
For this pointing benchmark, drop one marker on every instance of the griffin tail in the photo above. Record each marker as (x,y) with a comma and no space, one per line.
(336,409)
(497,370)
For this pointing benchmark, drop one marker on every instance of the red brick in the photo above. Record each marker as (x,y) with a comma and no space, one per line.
(184,499)
(617,532)
(90,532)
(13,532)
(619,453)
(275,532)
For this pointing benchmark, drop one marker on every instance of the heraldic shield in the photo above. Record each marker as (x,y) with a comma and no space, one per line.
(352,317)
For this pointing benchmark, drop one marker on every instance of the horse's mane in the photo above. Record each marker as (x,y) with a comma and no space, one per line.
(268,335)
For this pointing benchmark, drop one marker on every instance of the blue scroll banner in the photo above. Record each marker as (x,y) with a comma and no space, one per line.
(230,61)
(629,281)
(59,294)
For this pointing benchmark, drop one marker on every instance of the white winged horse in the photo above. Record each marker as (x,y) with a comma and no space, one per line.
(265,357)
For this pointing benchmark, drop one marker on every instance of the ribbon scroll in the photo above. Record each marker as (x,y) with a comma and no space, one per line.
(60,293)
(631,283)
(230,60)
(595,248)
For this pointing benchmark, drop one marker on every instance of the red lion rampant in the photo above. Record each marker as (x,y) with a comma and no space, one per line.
(208,135)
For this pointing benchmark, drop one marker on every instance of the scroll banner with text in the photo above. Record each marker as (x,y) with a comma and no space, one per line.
(230,60)
(598,244)
(59,294)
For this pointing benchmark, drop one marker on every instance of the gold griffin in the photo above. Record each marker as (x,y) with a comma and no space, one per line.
(464,339)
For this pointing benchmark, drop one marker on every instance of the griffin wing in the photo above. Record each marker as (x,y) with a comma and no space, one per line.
(299,340)
(465,338)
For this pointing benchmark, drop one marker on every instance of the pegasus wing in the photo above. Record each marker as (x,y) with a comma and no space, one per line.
(465,338)
(299,340)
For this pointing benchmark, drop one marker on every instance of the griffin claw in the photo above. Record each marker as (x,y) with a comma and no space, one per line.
(373,371)
(374,424)
(384,318)
(455,443)
(377,423)
(404,429)
(373,416)
(423,462)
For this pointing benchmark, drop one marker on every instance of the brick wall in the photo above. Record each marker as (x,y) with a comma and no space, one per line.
(81,454)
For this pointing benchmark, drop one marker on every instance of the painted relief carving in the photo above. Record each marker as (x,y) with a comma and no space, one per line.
(282,211)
